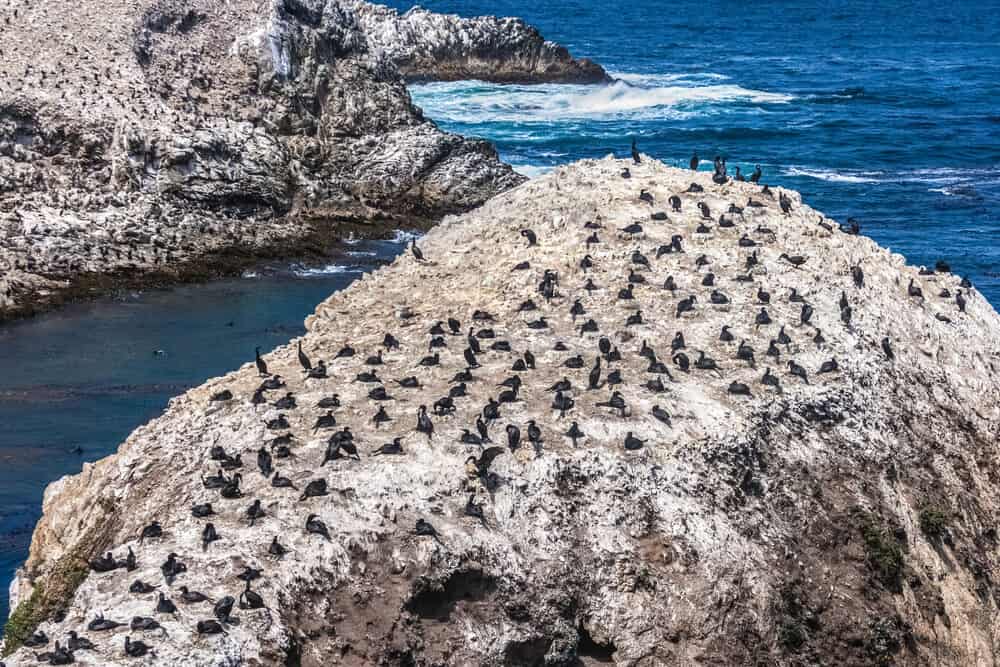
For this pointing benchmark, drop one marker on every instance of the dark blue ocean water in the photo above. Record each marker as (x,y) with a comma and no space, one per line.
(885,111)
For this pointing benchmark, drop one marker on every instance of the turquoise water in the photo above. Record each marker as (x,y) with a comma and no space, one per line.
(884,111)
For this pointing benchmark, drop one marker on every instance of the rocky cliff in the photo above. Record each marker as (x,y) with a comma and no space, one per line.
(161,139)
(445,47)
(721,435)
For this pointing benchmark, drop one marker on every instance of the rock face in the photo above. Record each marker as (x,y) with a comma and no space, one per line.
(845,517)
(445,47)
(174,137)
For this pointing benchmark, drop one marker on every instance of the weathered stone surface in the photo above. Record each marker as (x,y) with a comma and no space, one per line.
(847,520)
(171,137)
(445,47)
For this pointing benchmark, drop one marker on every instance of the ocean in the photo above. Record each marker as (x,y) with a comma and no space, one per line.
(886,112)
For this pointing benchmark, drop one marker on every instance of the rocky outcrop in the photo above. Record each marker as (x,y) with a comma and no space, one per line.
(840,514)
(172,138)
(444,47)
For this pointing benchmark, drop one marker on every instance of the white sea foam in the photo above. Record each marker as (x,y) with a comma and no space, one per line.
(639,97)
(328,270)
(404,236)
(835,176)
(532,170)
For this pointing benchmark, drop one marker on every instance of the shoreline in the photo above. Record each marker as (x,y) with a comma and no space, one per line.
(228,262)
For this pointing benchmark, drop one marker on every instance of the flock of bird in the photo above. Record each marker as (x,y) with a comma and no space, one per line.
(473,348)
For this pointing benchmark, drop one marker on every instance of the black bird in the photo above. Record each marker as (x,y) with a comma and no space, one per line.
(491,411)
(745,353)
(681,361)
(474,510)
(390,448)
(806,314)
(725,336)
(887,349)
(261,366)
(794,260)
(431,360)
(960,300)
(762,296)
(705,363)
(469,438)
(818,338)
(482,429)
(513,437)
(39,639)
(100,624)
(425,529)
(635,153)
(686,305)
(914,291)
(172,567)
(140,587)
(325,421)
(770,380)
(634,319)
(251,599)
(202,511)
(738,389)
(535,436)
(530,236)
(694,162)
(718,298)
(486,458)
(574,433)
(646,197)
(634,228)
(209,627)
(135,649)
(755,176)
(798,371)
(633,443)
(329,402)
(255,511)
(858,275)
(264,462)
(845,315)
(390,342)
(345,352)
(316,526)
(706,212)
(277,549)
(208,535)
(675,203)
(784,338)
(151,531)
(165,605)
(303,359)
(830,366)
(416,252)
(315,488)
(562,403)
(424,423)
(78,643)
(615,402)
(795,297)
(762,319)
(192,597)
